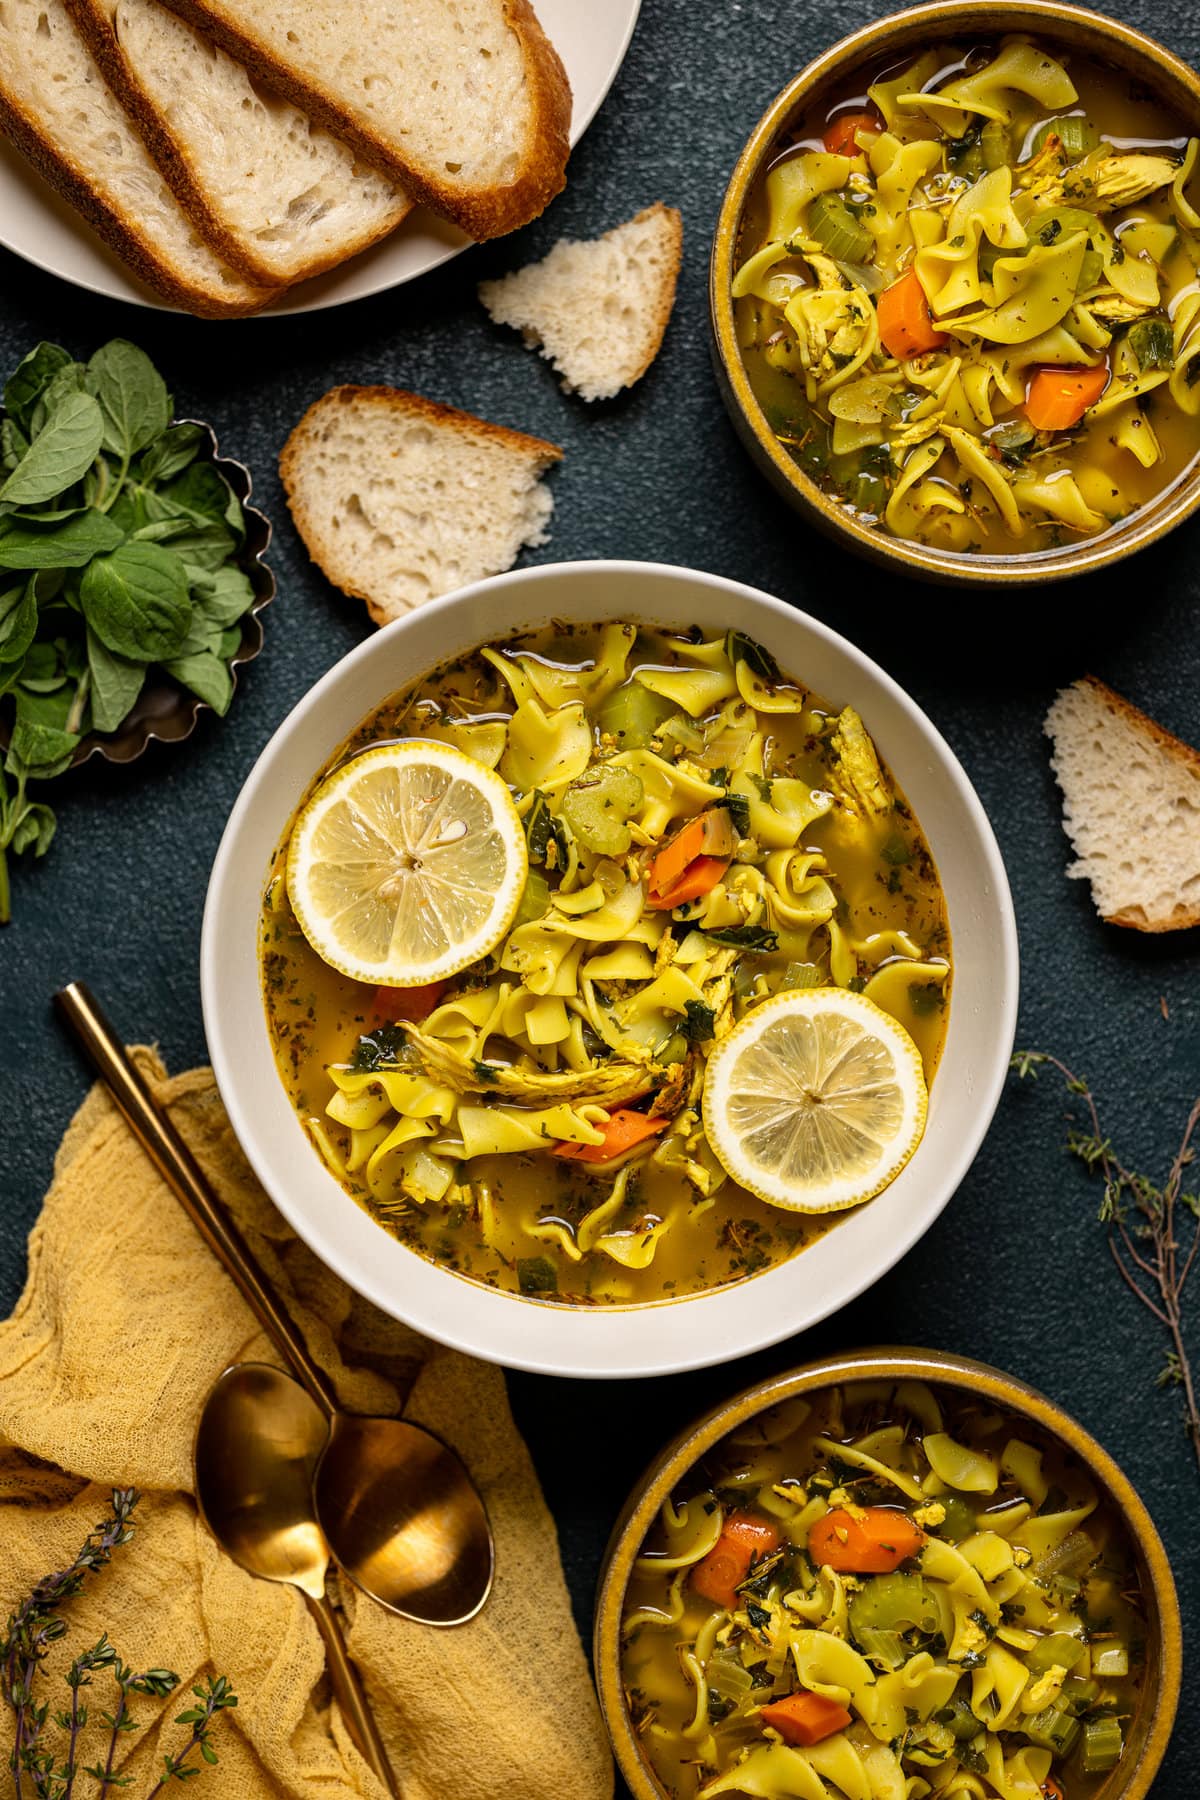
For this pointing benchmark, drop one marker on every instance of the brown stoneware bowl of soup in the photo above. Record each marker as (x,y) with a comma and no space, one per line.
(887,1568)
(603,988)
(953,293)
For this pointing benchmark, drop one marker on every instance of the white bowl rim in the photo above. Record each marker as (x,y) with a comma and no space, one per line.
(604,1341)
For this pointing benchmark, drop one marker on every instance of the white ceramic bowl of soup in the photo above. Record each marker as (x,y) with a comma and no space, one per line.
(699,1329)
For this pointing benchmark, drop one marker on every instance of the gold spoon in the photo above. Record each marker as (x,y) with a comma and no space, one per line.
(258,1444)
(401,1515)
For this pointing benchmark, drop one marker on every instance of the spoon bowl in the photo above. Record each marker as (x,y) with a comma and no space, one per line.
(258,1445)
(404,1521)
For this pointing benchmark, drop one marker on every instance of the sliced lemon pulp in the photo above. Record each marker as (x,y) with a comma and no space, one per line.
(407,864)
(815,1101)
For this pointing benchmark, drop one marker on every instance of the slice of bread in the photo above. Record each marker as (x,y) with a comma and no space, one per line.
(56,108)
(399,499)
(275,195)
(464,102)
(597,308)
(1131,808)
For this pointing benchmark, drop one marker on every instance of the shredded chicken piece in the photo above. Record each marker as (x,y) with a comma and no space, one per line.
(856,773)
(607,1084)
(1104,180)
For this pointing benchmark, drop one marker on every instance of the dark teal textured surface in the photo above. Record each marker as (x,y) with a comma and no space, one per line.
(1016,1272)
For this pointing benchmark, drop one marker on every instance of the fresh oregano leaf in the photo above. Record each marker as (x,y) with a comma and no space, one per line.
(200,493)
(223,595)
(60,456)
(171,453)
(136,601)
(13,445)
(201,548)
(207,675)
(18,622)
(68,545)
(132,394)
(42,750)
(116,683)
(30,379)
(34,829)
(64,382)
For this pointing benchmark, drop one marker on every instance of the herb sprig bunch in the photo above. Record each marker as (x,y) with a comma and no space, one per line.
(118,553)
(38,1624)
(1153,1231)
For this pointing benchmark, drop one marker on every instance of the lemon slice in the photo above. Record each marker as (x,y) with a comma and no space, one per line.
(407,864)
(815,1101)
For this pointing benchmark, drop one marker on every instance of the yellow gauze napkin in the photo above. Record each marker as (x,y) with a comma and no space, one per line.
(125,1323)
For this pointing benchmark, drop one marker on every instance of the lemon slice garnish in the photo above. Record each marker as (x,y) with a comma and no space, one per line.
(407,864)
(815,1101)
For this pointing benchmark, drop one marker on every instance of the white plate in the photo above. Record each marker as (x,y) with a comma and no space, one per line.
(667,1335)
(591,36)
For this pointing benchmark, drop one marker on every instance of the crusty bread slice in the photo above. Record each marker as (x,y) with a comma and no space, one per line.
(597,308)
(277,196)
(1131,797)
(399,499)
(464,102)
(56,108)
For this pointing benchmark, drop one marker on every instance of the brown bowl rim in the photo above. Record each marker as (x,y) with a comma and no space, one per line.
(902,1363)
(1149,523)
(175,721)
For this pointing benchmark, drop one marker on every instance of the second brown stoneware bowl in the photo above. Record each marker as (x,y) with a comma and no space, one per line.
(1148,64)
(1150,1727)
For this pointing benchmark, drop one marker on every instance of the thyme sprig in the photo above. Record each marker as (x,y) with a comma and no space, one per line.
(30,1633)
(1153,1232)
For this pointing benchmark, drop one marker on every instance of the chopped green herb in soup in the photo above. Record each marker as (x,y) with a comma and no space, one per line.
(889,1591)
(702,833)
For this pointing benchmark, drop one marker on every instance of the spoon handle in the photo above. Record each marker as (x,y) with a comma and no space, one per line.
(360,1720)
(178,1167)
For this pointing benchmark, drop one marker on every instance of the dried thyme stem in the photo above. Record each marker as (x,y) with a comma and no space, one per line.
(1143,1224)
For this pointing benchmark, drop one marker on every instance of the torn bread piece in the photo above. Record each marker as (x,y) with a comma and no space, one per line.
(399,499)
(598,308)
(1131,807)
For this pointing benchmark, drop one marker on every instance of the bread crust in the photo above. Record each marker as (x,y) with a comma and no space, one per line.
(25,131)
(666,293)
(409,405)
(483,213)
(93,20)
(1135,918)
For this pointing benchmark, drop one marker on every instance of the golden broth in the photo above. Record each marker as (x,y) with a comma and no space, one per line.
(696,1675)
(1117,460)
(505,1220)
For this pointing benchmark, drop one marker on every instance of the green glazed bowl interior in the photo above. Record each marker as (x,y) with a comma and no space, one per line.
(1152,67)
(1149,1730)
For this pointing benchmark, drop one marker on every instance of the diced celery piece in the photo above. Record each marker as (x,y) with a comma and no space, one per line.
(1077,133)
(534,900)
(632,713)
(1110,1660)
(1056,1647)
(1102,1746)
(598,806)
(1052,1729)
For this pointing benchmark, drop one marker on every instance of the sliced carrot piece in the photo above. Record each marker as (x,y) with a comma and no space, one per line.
(1057,398)
(871,1543)
(841,134)
(710,834)
(744,1538)
(624,1130)
(1052,1790)
(805,1718)
(697,879)
(906,324)
(409,1003)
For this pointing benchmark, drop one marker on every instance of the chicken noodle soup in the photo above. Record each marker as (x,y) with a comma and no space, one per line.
(967,298)
(702,833)
(888,1591)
